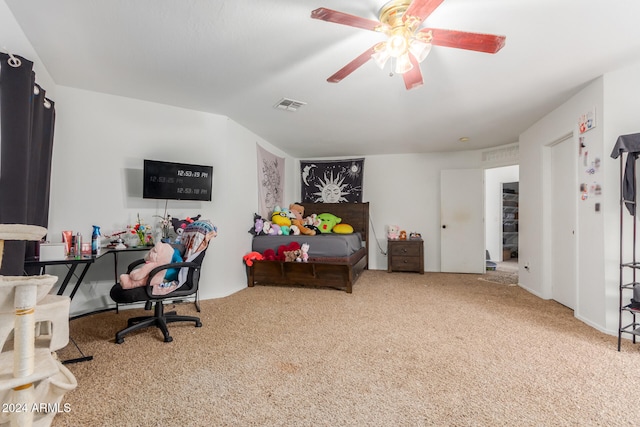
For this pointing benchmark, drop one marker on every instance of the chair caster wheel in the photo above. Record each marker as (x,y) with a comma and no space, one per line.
(119,340)
(198,324)
(168,339)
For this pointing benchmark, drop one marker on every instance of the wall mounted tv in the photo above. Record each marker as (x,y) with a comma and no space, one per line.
(177,181)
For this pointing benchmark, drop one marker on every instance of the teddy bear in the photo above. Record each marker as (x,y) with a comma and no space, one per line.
(304,256)
(393,232)
(281,254)
(160,254)
(298,213)
(292,256)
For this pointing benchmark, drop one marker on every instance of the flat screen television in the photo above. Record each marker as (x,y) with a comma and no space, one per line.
(177,181)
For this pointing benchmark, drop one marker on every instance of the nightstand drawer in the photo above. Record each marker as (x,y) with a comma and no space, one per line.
(406,264)
(405,249)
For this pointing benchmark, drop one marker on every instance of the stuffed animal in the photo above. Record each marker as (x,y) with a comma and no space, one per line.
(312,223)
(298,213)
(275,230)
(393,232)
(295,231)
(292,256)
(342,229)
(252,256)
(304,248)
(258,225)
(327,222)
(281,256)
(160,254)
(403,235)
(180,224)
(269,255)
(280,217)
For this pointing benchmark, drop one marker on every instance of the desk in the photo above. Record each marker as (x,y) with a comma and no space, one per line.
(72,264)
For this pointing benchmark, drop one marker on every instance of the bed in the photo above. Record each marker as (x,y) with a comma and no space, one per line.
(338,270)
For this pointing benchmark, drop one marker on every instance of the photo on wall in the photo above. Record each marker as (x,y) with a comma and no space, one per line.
(331,181)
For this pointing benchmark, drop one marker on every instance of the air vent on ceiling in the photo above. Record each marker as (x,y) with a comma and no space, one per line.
(289,104)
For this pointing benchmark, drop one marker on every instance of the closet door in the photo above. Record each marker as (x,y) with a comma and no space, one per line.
(563,223)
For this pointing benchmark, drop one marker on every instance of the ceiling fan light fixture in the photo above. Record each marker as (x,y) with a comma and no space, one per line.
(403,64)
(397,45)
(381,55)
(419,49)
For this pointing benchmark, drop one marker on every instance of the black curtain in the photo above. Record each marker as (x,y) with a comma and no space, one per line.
(27,120)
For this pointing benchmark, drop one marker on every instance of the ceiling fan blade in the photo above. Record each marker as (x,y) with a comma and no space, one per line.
(488,43)
(413,77)
(351,66)
(419,10)
(330,15)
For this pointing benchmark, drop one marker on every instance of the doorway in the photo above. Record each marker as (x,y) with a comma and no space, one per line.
(501,213)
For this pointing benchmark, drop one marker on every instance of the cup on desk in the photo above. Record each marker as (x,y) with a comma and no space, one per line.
(67,238)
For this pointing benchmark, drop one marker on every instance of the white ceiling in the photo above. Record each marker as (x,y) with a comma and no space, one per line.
(238,58)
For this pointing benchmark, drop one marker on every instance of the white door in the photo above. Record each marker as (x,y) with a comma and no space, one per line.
(563,223)
(462,246)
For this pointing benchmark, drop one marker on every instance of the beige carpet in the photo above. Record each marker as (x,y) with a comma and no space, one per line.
(403,350)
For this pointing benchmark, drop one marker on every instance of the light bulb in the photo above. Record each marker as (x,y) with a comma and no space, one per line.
(397,45)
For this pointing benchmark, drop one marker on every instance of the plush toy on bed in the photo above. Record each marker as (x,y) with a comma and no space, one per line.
(312,222)
(160,254)
(298,213)
(258,225)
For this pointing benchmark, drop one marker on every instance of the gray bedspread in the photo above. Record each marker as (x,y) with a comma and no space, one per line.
(323,245)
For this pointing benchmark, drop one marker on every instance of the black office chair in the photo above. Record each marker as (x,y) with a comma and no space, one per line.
(144,294)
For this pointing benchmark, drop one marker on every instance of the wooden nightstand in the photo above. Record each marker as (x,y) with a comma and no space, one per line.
(405,255)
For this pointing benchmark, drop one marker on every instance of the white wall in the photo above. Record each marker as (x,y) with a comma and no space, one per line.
(14,41)
(100,143)
(494,178)
(404,189)
(621,117)
(534,205)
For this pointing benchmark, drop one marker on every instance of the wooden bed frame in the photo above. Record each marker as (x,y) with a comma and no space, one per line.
(333,274)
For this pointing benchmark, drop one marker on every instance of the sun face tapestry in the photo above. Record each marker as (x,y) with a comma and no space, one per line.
(331,181)
(270,181)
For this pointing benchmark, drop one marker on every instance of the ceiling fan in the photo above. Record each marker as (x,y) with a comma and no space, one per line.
(407,44)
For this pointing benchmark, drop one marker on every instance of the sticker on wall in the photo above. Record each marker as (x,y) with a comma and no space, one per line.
(595,189)
(585,158)
(584,191)
(587,121)
(581,146)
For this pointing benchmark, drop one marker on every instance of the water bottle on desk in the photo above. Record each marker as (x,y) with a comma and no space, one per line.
(95,240)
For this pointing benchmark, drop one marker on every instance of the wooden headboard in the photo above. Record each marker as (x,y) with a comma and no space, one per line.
(354,214)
